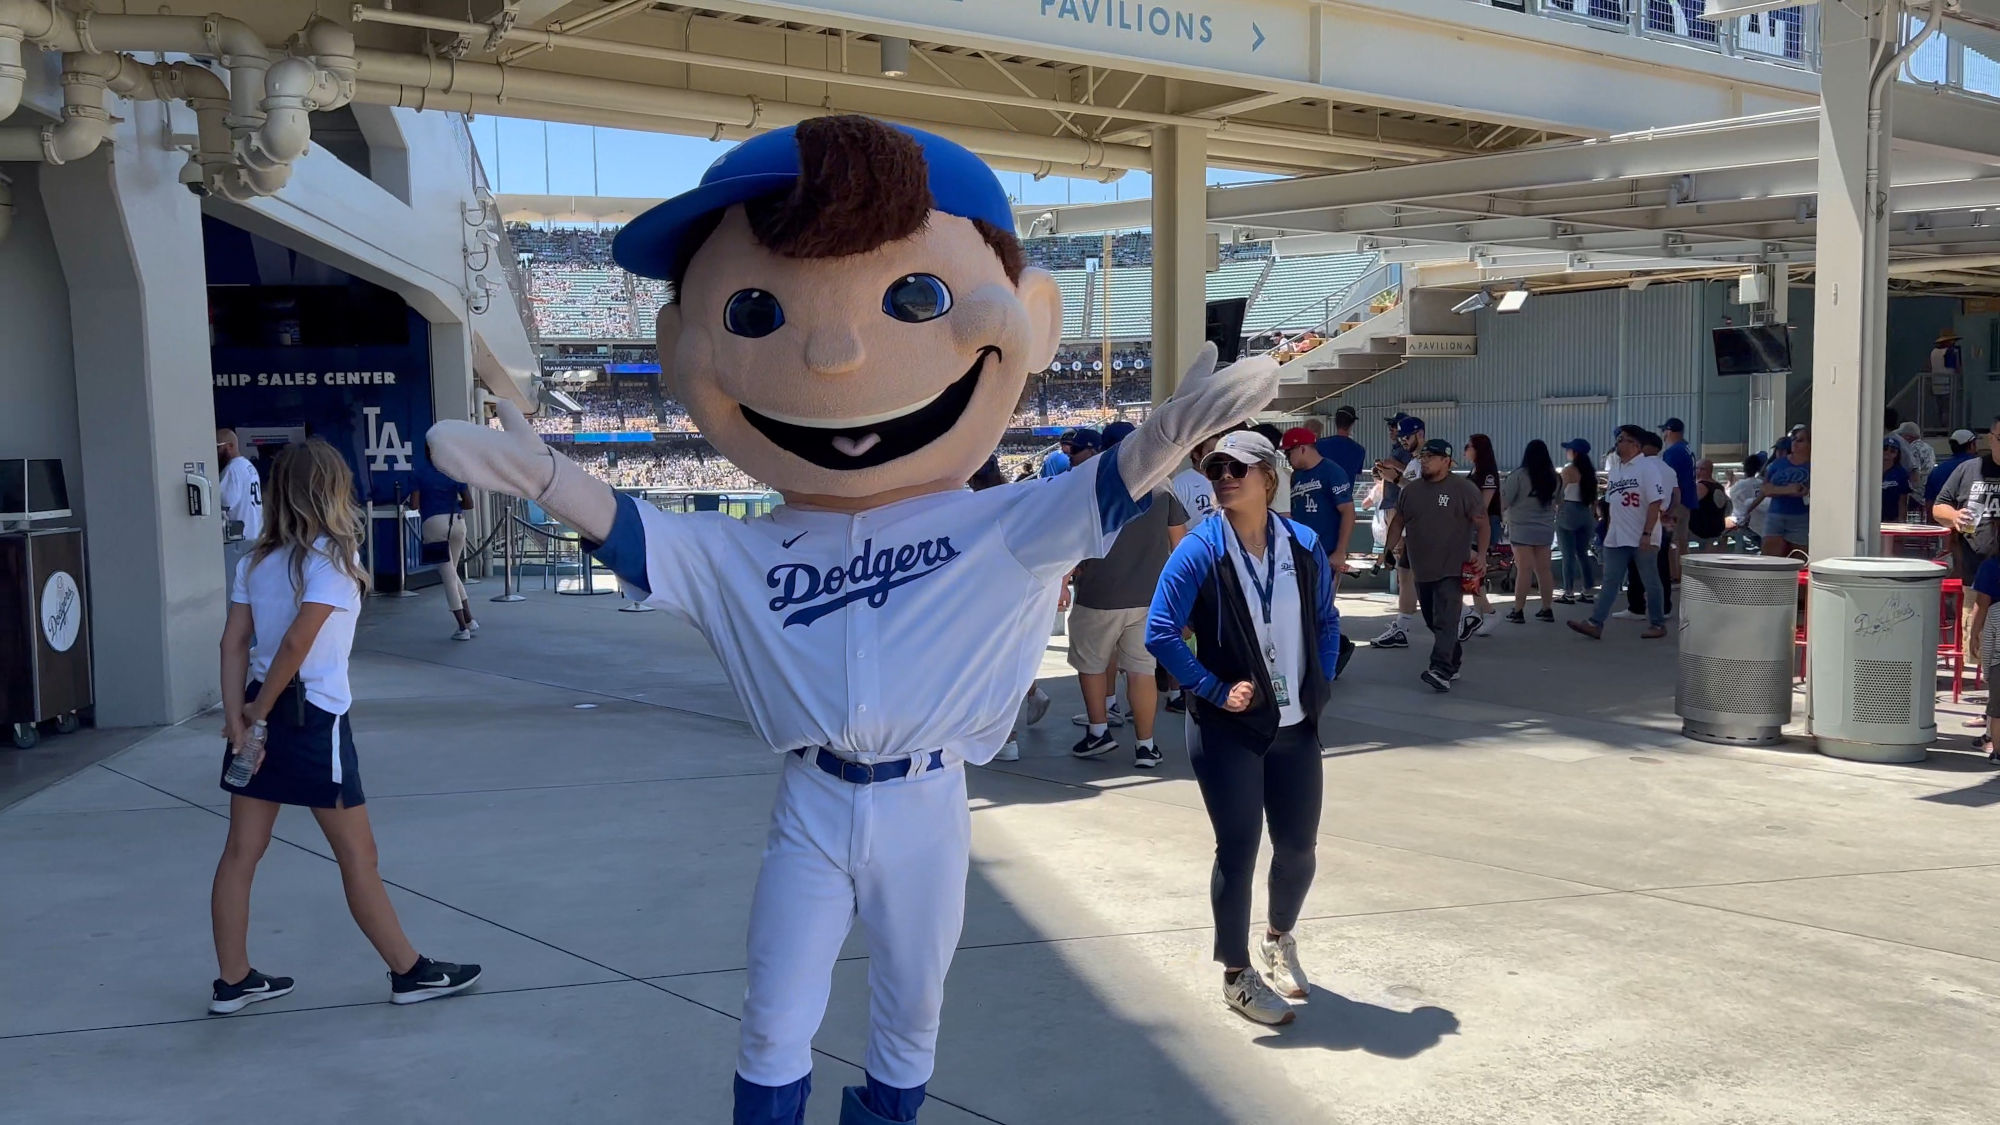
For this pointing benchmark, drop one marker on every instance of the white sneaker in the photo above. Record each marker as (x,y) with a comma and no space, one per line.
(1010,751)
(1112,718)
(1392,637)
(1250,995)
(1035,706)
(462,635)
(1281,956)
(473,625)
(1625,615)
(1485,626)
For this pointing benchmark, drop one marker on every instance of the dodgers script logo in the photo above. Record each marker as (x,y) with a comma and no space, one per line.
(869,576)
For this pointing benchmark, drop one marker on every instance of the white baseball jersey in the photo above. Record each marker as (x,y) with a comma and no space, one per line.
(908,628)
(243,496)
(1196,495)
(1629,488)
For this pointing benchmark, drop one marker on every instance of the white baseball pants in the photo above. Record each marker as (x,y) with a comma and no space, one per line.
(893,852)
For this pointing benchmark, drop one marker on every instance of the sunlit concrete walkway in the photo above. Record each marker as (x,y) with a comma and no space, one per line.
(1535,903)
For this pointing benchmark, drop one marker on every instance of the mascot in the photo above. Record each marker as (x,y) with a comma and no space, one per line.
(853,324)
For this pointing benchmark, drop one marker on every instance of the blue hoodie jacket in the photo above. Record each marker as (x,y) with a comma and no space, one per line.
(1200,591)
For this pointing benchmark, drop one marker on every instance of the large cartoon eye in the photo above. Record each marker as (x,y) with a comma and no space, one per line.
(753,313)
(917,298)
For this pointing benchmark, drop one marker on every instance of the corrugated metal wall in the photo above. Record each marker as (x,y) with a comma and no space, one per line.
(1645,354)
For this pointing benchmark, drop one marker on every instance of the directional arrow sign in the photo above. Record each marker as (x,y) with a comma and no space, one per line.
(1259,33)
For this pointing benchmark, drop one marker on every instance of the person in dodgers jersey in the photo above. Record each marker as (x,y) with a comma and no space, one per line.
(853,325)
(242,501)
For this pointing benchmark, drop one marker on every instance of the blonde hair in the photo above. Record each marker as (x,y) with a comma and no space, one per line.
(310,497)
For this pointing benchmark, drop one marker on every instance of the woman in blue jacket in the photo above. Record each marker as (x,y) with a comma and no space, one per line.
(1255,590)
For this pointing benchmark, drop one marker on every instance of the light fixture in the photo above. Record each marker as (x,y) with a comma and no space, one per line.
(1512,300)
(895,57)
(1472,304)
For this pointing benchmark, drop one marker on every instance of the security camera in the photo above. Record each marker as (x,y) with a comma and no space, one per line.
(194,179)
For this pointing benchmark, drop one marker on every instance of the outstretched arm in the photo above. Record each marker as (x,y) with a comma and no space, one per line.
(1207,402)
(516,461)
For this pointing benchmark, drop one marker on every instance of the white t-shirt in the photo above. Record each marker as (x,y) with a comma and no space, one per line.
(243,496)
(267,589)
(1630,487)
(1284,634)
(1741,495)
(856,631)
(1195,494)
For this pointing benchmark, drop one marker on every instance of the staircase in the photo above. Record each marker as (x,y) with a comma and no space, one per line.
(1361,343)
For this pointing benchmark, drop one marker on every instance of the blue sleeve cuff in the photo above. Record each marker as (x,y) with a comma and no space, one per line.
(624,550)
(1115,506)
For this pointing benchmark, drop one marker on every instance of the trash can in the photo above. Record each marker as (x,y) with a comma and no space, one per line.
(1872,632)
(44,634)
(1738,614)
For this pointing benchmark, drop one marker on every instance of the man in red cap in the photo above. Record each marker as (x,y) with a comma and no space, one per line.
(1322,496)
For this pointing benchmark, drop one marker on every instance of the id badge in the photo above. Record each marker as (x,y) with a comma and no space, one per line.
(1281,694)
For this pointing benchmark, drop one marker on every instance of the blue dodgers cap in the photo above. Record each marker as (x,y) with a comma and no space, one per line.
(1577,445)
(1407,425)
(961,184)
(1087,438)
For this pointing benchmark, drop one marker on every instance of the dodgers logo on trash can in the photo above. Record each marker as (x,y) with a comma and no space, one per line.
(61,611)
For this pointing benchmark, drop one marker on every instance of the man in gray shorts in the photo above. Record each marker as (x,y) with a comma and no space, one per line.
(1107,623)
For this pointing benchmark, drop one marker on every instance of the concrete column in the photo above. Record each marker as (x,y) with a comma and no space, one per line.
(1768,392)
(129,236)
(1851,292)
(1180,253)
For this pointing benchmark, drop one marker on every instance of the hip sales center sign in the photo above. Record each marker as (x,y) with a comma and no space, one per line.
(61,611)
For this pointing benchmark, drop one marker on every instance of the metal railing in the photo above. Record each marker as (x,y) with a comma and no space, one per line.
(1325,315)
(1789,36)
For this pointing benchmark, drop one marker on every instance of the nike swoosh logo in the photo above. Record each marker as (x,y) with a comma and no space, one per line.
(788,543)
(260,988)
(438,983)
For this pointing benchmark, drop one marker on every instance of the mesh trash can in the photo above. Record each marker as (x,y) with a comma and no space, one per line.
(1737,617)
(1873,633)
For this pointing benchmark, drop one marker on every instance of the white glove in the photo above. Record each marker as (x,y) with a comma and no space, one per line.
(1207,402)
(516,461)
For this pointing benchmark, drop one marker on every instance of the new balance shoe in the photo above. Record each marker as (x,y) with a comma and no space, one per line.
(1010,751)
(228,998)
(1439,681)
(1281,957)
(1249,995)
(428,980)
(1094,745)
(1147,758)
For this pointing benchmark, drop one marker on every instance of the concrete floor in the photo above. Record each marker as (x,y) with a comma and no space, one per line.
(1535,903)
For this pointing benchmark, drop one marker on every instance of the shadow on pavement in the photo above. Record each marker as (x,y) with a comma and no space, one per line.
(1340,1024)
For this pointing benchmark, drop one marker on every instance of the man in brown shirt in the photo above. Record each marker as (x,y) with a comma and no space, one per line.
(1440,525)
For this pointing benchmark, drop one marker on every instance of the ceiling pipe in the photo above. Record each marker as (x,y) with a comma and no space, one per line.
(1269,135)
(1914,267)
(484,88)
(84,124)
(13,72)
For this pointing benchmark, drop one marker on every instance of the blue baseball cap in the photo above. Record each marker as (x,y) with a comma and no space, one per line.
(961,184)
(1406,425)
(1117,432)
(1087,438)
(1674,424)
(1577,445)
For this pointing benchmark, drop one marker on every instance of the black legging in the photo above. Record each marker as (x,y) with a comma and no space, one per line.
(1241,789)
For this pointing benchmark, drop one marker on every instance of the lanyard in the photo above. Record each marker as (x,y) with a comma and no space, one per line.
(1270,584)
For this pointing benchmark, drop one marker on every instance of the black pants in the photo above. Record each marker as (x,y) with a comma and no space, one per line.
(1241,789)
(1443,603)
(1635,591)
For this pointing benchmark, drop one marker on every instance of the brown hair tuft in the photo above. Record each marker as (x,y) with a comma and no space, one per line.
(862,185)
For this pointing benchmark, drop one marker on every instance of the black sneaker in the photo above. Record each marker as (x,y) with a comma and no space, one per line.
(428,980)
(1545,614)
(1147,757)
(1438,680)
(1177,703)
(230,998)
(1516,617)
(1094,745)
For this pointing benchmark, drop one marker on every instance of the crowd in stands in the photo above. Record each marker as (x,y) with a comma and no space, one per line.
(625,409)
(1084,401)
(653,467)
(1133,248)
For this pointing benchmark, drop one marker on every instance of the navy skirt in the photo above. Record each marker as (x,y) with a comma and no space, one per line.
(309,759)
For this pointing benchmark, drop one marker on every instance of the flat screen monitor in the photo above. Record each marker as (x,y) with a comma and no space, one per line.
(33,489)
(1225,327)
(1759,349)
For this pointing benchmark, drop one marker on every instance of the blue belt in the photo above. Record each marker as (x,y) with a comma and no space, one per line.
(862,773)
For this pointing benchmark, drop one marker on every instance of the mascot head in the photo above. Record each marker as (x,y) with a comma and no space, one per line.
(851,320)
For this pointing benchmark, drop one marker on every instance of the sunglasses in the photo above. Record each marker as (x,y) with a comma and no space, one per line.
(1216,470)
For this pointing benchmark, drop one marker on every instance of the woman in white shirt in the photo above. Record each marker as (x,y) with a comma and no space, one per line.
(298,592)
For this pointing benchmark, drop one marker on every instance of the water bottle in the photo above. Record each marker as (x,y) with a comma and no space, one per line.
(247,756)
